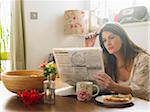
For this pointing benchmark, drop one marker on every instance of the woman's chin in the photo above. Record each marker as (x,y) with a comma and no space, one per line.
(111,52)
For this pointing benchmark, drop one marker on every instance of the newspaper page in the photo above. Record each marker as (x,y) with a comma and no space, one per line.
(78,64)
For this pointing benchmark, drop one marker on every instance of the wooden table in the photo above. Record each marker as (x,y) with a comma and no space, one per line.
(9,102)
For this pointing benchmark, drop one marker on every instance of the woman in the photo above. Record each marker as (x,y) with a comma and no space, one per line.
(127,66)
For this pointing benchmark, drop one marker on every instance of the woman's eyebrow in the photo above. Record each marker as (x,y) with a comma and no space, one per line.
(108,36)
(111,35)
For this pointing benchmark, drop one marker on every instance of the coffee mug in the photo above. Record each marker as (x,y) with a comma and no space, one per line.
(84,90)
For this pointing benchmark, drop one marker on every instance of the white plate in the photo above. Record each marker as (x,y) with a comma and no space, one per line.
(101,99)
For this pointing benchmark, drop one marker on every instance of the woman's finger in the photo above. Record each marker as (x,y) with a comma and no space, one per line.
(101,75)
(90,36)
(98,77)
(99,82)
(105,76)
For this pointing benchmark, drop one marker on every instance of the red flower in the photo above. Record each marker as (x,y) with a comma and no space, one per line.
(84,95)
(30,97)
(42,65)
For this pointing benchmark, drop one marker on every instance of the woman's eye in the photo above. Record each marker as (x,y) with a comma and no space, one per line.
(104,41)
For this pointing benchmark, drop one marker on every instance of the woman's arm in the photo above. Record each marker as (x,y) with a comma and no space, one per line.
(121,89)
(140,82)
(106,82)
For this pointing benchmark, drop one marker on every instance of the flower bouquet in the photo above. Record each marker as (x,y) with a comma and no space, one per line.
(49,69)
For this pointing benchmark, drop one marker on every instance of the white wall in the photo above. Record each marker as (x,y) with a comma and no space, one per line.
(47,31)
(139,34)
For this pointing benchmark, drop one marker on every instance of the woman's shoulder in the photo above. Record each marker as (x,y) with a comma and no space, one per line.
(142,57)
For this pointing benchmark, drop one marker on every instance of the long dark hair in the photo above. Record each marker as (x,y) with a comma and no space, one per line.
(128,49)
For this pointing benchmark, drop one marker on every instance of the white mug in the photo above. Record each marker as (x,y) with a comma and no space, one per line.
(84,90)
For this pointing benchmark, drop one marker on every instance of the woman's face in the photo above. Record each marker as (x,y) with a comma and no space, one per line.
(111,42)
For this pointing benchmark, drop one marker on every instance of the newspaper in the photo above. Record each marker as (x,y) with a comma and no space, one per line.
(78,64)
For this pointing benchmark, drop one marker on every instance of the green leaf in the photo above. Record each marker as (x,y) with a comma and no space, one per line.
(4,55)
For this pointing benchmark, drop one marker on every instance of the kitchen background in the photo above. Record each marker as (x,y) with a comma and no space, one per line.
(45,30)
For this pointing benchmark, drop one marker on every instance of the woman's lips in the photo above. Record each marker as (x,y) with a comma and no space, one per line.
(110,48)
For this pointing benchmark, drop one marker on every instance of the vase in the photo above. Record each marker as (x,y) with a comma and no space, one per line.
(49,90)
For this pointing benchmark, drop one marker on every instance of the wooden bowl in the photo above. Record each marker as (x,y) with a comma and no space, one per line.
(20,80)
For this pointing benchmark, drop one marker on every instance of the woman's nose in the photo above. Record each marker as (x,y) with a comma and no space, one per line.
(108,43)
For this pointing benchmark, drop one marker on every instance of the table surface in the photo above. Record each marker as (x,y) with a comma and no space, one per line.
(9,102)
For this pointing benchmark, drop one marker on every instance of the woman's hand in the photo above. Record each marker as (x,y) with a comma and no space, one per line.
(105,81)
(90,39)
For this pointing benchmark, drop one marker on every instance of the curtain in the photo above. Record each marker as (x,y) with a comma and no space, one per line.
(17,52)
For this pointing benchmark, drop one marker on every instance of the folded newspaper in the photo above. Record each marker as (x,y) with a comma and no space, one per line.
(78,64)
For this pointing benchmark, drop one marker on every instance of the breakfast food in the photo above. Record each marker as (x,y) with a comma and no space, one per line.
(117,98)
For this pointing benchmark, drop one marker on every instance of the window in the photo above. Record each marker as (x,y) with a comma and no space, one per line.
(5,23)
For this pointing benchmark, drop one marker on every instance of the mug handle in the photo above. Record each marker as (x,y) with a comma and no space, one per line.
(98,90)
